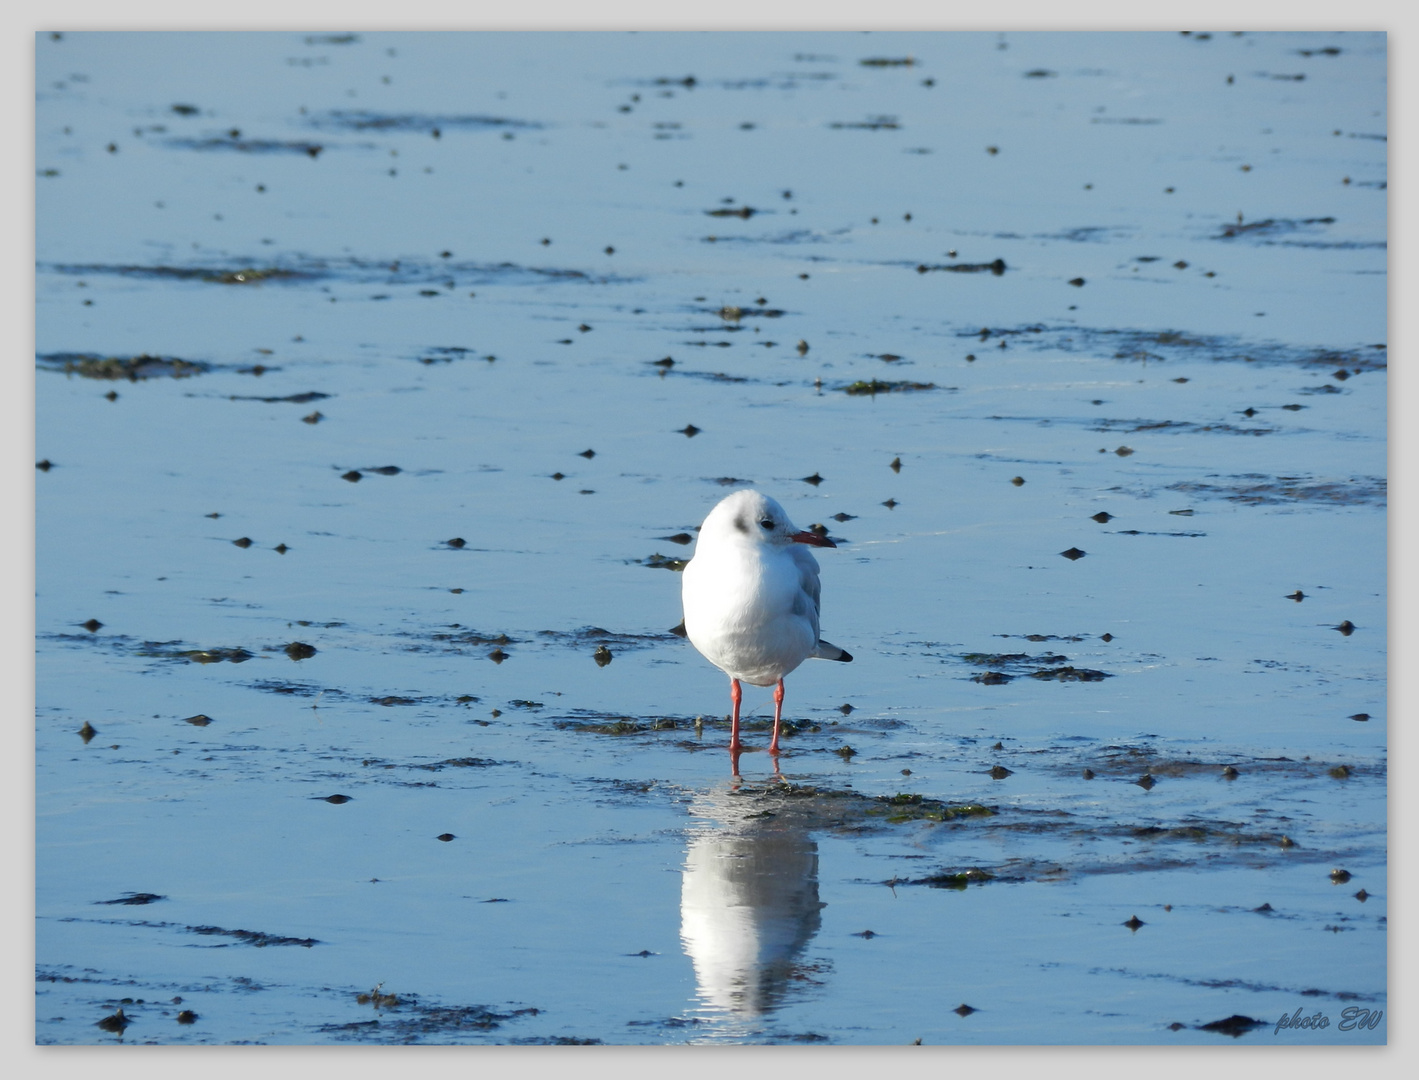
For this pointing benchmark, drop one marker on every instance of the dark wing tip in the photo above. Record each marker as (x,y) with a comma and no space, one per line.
(679,630)
(845,658)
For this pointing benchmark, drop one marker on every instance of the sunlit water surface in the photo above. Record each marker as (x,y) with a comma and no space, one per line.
(1128,293)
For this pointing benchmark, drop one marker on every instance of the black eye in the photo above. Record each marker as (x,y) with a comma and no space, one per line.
(767,523)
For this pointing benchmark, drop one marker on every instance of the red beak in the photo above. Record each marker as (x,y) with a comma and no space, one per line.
(812,538)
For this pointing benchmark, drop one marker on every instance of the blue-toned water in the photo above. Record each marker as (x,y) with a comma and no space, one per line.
(395,309)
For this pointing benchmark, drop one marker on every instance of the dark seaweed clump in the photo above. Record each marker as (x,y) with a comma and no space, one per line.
(663,562)
(240,275)
(248,146)
(997,268)
(1258,490)
(362,120)
(132,368)
(873,387)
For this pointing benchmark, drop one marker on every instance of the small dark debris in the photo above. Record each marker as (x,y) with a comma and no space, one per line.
(1000,772)
(1077,282)
(280,549)
(964,1010)
(353,476)
(1235,1025)
(200,720)
(690,431)
(1146,781)
(497,656)
(92,626)
(117,1022)
(844,517)
(1340,772)
(445,837)
(1362,896)
(1088,774)
(457,542)
(187,1016)
(1230,773)
(294,399)
(1074,554)
(1134,923)
(314,418)
(602,656)
(243,542)
(1347,628)
(1361,716)
(299,650)
(1018,481)
(1102,516)
(815,479)
(87,732)
(336,800)
(135,898)
(1297,596)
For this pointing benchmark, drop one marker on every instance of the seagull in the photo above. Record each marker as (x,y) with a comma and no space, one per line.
(751,599)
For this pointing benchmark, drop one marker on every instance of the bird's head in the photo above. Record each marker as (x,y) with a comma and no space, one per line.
(754,517)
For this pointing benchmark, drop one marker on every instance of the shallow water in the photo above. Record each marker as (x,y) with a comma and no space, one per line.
(537,846)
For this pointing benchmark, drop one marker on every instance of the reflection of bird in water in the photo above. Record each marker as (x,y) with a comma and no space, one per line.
(748,907)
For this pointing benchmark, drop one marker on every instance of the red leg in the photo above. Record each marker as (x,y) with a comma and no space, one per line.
(778,715)
(736,695)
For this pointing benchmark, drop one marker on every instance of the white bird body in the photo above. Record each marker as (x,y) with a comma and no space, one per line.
(751,596)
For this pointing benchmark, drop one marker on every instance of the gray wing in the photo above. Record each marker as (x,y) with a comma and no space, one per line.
(805,603)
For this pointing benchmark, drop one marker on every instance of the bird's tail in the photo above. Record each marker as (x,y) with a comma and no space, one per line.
(826,650)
